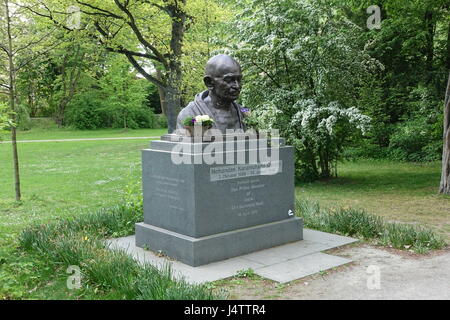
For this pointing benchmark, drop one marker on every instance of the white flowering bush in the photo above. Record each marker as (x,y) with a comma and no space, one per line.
(303,66)
(318,132)
(321,132)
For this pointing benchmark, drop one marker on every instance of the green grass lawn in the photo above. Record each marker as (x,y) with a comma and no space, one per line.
(405,192)
(59,179)
(63,179)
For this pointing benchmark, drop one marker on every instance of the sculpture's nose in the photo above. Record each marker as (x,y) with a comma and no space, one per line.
(236,84)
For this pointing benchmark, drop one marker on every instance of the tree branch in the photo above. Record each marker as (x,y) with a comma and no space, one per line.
(33,43)
(165,9)
(33,57)
(145,74)
(267,73)
(4,49)
(49,16)
(137,32)
(121,49)
(102,11)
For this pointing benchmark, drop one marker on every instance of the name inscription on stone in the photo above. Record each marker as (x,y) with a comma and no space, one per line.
(248,198)
(245,170)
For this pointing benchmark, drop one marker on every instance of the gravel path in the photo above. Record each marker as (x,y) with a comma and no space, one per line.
(402,275)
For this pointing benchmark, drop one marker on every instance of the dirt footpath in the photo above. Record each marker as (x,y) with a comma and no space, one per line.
(376,273)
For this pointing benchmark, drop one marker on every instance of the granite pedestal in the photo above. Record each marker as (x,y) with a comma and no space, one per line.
(209,201)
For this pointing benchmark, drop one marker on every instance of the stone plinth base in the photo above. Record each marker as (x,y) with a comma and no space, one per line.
(204,250)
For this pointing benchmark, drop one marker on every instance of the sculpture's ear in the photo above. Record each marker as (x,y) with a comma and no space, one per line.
(209,82)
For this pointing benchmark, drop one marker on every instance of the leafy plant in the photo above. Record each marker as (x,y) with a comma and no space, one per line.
(5,119)
(303,67)
(246,273)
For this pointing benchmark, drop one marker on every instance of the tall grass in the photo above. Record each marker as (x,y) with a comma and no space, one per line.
(358,223)
(79,242)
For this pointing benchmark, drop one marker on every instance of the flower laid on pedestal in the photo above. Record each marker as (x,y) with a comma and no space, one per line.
(197,125)
(203,120)
(245,112)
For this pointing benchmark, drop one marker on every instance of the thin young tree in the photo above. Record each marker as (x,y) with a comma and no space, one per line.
(445,175)
(21,45)
(8,48)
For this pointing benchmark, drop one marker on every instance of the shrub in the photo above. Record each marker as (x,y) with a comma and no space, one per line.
(83,114)
(303,82)
(419,136)
(161,121)
(408,140)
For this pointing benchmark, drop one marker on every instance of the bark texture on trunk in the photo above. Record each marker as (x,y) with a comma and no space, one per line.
(448,48)
(161,93)
(445,175)
(173,90)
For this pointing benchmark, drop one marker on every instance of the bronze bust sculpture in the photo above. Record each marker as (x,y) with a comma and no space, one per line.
(223,79)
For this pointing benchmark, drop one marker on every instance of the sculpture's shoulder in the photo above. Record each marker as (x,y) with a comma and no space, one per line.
(187,111)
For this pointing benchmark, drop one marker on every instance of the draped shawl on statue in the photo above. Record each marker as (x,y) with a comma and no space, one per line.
(199,107)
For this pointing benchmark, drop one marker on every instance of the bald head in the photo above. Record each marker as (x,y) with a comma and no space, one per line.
(223,77)
(221,64)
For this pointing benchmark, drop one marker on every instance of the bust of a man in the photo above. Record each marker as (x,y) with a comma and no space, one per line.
(223,79)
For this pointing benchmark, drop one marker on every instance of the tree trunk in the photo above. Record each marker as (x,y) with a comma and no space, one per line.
(448,48)
(445,175)
(172,105)
(174,81)
(68,95)
(12,102)
(161,93)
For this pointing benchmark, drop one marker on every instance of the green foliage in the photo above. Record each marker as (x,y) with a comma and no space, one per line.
(407,93)
(351,222)
(83,113)
(413,141)
(117,100)
(161,121)
(419,136)
(246,273)
(5,119)
(303,66)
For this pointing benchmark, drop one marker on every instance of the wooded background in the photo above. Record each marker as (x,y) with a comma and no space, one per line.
(316,70)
